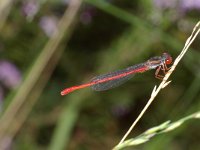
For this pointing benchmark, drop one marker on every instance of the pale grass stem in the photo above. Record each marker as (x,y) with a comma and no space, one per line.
(164,82)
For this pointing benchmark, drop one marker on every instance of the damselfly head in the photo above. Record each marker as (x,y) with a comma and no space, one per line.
(167,58)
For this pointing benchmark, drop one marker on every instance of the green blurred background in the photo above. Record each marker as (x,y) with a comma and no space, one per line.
(46,46)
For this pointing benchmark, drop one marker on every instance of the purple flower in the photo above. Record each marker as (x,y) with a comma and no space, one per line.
(6,143)
(49,25)
(163,4)
(119,110)
(30,9)
(10,76)
(87,15)
(189,4)
(180,5)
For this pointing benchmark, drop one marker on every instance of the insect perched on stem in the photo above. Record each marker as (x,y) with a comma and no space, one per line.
(116,78)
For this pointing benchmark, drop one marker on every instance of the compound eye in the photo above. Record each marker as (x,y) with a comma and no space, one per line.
(168,60)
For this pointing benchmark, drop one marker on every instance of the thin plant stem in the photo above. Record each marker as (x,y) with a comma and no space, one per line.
(14,108)
(5,7)
(164,83)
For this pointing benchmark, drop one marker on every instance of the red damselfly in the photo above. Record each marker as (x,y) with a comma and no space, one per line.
(116,78)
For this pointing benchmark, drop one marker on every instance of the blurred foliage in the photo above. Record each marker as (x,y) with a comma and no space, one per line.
(105,35)
(163,128)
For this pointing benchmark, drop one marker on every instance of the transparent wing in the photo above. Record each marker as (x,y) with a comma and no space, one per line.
(111,83)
